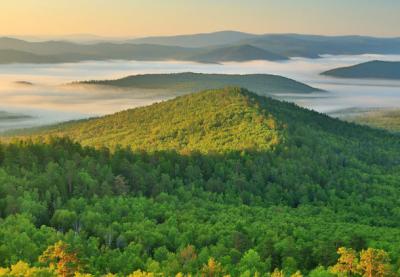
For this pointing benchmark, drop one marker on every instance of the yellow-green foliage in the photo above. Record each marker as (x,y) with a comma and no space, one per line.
(22,269)
(384,119)
(212,121)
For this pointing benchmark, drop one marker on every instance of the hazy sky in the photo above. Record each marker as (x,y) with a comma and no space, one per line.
(162,17)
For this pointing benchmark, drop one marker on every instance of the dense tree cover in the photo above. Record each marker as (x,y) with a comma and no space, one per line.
(371,70)
(278,187)
(194,82)
(61,259)
(370,262)
(213,121)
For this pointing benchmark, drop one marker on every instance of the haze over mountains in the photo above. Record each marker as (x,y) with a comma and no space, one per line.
(212,47)
(221,154)
(290,45)
(222,176)
(197,40)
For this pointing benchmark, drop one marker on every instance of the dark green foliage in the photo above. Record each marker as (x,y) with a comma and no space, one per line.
(192,82)
(288,203)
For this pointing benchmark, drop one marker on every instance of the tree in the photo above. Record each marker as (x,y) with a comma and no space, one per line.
(320,272)
(374,263)
(251,261)
(19,269)
(289,265)
(70,169)
(140,273)
(296,274)
(278,273)
(60,258)
(64,219)
(188,254)
(22,269)
(212,269)
(347,263)
(120,185)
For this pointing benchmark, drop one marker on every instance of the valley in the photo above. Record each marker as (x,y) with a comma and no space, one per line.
(49,98)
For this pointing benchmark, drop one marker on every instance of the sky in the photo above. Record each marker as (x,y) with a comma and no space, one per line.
(136,18)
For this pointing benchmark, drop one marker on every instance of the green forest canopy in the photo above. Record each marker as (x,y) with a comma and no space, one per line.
(253,182)
(263,84)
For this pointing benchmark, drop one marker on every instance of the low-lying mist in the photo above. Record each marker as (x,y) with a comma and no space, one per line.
(40,91)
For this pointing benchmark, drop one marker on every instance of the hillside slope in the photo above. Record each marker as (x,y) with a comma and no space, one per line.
(371,70)
(192,82)
(253,182)
(213,121)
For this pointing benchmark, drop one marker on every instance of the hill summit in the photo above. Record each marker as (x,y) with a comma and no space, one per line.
(372,70)
(222,168)
(211,121)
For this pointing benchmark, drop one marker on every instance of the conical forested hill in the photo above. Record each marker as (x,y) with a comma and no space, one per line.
(252,182)
(212,121)
(217,121)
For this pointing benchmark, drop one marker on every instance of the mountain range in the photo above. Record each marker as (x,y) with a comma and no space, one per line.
(213,47)
(290,45)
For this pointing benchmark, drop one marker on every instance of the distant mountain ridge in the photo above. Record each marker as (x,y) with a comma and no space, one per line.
(197,40)
(372,69)
(290,45)
(211,47)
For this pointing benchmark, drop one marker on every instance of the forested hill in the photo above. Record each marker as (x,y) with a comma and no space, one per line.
(193,82)
(222,180)
(371,70)
(211,121)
